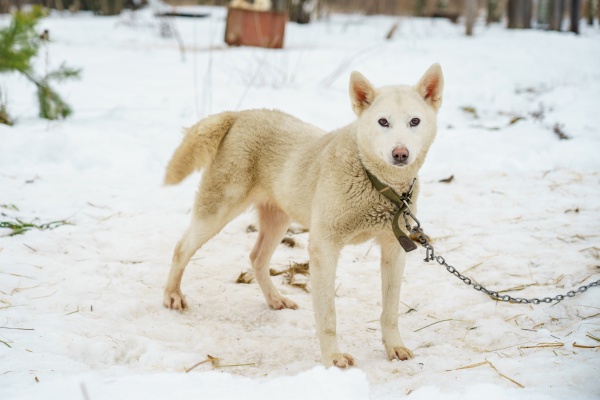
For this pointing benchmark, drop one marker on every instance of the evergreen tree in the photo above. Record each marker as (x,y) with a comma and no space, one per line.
(19,44)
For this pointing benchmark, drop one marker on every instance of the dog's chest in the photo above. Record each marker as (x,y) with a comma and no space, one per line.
(381,214)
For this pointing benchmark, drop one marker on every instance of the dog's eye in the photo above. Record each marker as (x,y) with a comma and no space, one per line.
(384,122)
(415,122)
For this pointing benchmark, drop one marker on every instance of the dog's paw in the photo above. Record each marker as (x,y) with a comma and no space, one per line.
(343,360)
(175,300)
(280,302)
(399,353)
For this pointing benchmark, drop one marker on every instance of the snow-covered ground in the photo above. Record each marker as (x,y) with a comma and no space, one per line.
(81,312)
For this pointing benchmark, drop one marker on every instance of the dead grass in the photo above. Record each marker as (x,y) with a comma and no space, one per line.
(216,363)
(438,322)
(558,130)
(289,242)
(245,277)
(544,346)
(593,337)
(471,111)
(486,362)
(290,275)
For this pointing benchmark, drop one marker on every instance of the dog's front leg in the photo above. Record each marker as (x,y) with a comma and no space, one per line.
(393,259)
(323,262)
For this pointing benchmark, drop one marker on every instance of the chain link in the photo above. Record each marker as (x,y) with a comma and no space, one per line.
(430,256)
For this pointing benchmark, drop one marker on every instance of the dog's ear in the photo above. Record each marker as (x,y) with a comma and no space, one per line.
(362,92)
(431,85)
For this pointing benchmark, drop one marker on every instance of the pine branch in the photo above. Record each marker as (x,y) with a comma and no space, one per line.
(63,73)
(19,43)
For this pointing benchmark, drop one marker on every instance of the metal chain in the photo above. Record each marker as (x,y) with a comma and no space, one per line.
(430,256)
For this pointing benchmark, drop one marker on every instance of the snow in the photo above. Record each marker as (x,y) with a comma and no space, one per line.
(81,305)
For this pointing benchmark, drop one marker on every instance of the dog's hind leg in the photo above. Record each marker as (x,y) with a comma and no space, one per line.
(273,223)
(212,211)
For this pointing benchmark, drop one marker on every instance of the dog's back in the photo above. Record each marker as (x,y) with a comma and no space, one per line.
(254,142)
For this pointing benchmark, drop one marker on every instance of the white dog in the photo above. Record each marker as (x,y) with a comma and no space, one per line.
(292,171)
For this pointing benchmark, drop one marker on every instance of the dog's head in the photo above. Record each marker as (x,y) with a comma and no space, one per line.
(397,124)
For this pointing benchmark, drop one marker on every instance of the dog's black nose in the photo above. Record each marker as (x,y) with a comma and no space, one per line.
(400,155)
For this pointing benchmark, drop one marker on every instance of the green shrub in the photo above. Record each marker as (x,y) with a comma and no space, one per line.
(19,44)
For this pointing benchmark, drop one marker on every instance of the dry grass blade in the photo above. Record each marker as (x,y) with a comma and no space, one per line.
(517,288)
(470,366)
(543,345)
(504,376)
(291,272)
(470,110)
(251,228)
(245,277)
(288,241)
(486,362)
(216,363)
(18,329)
(234,365)
(17,275)
(447,180)
(593,337)
(7,345)
(213,360)
(585,347)
(43,297)
(558,130)
(436,322)
(591,316)
(516,119)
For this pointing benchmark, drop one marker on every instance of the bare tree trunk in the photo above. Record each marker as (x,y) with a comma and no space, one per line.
(557,8)
(111,7)
(527,7)
(519,14)
(575,15)
(511,11)
(297,13)
(75,7)
(494,13)
(470,15)
(420,7)
(4,6)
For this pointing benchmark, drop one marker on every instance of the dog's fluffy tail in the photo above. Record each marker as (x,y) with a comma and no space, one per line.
(199,146)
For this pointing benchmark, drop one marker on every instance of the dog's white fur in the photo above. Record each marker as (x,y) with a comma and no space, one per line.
(292,171)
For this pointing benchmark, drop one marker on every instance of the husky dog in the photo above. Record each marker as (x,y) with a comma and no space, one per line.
(292,171)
